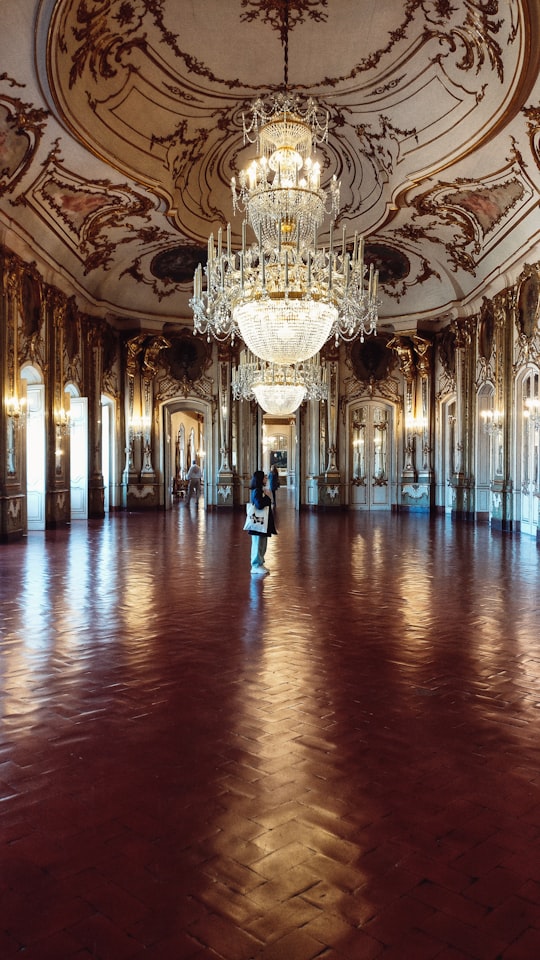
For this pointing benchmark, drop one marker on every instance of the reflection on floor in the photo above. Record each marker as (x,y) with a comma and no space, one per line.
(340,760)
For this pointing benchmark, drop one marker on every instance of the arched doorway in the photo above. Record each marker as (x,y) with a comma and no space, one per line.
(528,449)
(279,447)
(187,436)
(447,462)
(485,451)
(108,459)
(35,448)
(78,453)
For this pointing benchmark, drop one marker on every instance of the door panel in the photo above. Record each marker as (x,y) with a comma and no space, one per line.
(79,458)
(530,453)
(370,456)
(35,456)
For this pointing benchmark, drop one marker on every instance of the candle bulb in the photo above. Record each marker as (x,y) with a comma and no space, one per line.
(228,240)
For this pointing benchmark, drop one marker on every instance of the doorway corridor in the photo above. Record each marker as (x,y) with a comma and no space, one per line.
(339,761)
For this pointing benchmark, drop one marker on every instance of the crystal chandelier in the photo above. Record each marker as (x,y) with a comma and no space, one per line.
(282,295)
(279,389)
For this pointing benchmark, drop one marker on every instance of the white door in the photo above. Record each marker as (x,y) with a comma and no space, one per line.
(370,454)
(530,443)
(79,457)
(448,454)
(106,448)
(484,453)
(35,456)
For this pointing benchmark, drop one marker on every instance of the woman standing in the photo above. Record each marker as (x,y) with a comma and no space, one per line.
(259,541)
(273,482)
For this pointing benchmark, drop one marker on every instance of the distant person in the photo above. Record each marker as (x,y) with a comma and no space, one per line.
(193,477)
(273,482)
(259,541)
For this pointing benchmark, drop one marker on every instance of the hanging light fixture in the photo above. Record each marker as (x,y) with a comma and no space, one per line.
(282,295)
(279,389)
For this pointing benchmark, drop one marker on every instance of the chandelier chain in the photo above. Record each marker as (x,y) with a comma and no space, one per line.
(286,46)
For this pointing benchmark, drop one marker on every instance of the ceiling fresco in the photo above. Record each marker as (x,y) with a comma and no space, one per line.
(121,127)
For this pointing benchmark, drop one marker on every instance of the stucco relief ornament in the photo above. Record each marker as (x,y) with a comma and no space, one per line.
(21,129)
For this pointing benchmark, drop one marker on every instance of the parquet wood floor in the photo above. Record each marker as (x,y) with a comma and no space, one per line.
(338,761)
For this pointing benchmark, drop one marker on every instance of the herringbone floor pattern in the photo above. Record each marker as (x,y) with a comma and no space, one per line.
(340,761)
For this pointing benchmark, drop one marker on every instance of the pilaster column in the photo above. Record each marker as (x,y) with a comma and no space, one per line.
(225,478)
(424,465)
(502,517)
(330,485)
(12,418)
(94,356)
(461,480)
(58,494)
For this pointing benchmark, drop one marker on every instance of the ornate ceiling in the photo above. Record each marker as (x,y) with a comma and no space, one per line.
(121,126)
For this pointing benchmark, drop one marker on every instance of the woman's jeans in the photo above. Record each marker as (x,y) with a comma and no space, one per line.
(258,549)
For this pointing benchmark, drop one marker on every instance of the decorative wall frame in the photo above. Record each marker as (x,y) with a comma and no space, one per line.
(528,302)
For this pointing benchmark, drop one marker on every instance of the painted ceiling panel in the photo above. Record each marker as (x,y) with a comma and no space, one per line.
(121,126)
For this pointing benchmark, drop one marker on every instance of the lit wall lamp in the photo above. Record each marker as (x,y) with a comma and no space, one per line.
(16,410)
(493,421)
(139,426)
(532,411)
(62,421)
(415,425)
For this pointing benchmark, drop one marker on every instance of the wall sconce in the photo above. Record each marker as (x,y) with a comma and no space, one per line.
(62,421)
(416,425)
(16,410)
(139,426)
(493,421)
(532,411)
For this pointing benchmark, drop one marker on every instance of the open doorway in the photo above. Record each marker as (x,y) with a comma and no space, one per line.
(108,462)
(279,447)
(78,453)
(35,448)
(187,437)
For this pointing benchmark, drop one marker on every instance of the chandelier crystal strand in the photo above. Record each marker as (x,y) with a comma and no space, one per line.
(283,295)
